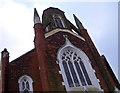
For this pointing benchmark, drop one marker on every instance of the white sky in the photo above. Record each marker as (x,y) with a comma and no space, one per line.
(99,18)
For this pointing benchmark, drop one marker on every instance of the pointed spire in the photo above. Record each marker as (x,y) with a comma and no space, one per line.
(36,17)
(78,23)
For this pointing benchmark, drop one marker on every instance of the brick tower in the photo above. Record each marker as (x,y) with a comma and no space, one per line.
(64,59)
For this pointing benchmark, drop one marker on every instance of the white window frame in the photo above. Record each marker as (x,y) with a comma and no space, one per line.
(54,16)
(30,81)
(86,62)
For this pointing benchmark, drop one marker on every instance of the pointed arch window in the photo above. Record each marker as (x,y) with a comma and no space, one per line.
(25,84)
(58,21)
(75,68)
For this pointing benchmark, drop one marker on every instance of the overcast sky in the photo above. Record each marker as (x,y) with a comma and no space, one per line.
(99,18)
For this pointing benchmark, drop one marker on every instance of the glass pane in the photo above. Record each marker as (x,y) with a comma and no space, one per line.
(58,22)
(80,73)
(85,73)
(73,74)
(70,82)
(27,85)
(23,85)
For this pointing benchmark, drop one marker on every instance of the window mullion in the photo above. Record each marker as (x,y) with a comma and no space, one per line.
(76,70)
(83,73)
(71,74)
(25,83)
(58,21)
(67,74)
(86,74)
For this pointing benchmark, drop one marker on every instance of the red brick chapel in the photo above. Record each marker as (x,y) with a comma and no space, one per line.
(64,59)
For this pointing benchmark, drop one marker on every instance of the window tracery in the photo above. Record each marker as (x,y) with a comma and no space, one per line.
(25,84)
(75,68)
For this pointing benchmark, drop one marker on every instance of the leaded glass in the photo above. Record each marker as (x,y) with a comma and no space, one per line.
(27,85)
(85,73)
(70,82)
(74,74)
(58,21)
(80,73)
(23,85)
(74,68)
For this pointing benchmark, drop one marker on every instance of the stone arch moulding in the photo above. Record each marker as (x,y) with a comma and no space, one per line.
(25,84)
(68,46)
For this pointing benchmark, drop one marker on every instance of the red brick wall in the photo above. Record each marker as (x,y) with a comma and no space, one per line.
(4,64)
(55,42)
(105,80)
(24,65)
(40,45)
(28,64)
